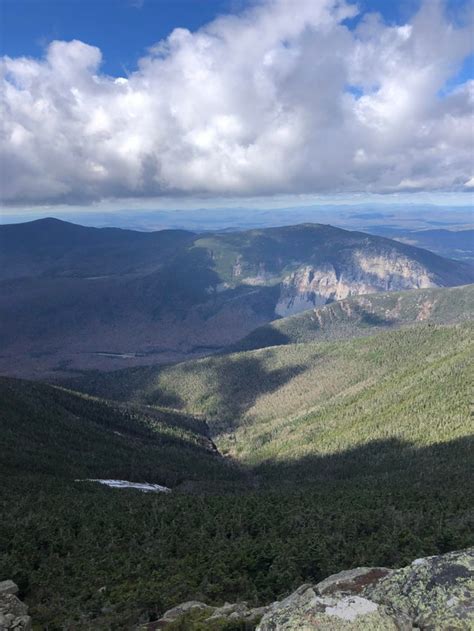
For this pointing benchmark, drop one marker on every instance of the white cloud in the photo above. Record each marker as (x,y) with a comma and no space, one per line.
(256,104)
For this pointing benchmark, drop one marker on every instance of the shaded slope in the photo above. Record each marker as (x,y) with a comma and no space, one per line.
(359,453)
(54,248)
(47,431)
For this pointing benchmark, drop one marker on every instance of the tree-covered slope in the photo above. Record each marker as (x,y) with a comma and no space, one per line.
(350,453)
(53,432)
(365,315)
(252,388)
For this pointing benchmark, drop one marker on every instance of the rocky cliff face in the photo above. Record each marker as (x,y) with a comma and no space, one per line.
(432,594)
(364,273)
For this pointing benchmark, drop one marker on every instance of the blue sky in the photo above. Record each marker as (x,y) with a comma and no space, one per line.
(313,103)
(124,29)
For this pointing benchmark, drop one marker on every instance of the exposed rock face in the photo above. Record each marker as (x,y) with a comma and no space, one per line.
(13,613)
(352,581)
(431,594)
(436,592)
(364,273)
(305,610)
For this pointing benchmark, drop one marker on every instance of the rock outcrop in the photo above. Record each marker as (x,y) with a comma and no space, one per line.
(432,594)
(435,592)
(13,613)
(365,273)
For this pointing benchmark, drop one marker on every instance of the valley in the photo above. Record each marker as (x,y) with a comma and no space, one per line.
(74,298)
(236,315)
(274,451)
(338,453)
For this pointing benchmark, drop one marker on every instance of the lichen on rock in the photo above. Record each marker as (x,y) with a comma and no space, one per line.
(306,611)
(436,592)
(432,594)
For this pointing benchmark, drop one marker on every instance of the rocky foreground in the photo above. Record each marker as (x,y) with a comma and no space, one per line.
(432,594)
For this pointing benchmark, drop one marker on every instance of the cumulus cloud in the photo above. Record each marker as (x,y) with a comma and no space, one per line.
(283,98)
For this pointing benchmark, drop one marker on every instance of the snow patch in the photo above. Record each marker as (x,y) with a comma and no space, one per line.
(145,487)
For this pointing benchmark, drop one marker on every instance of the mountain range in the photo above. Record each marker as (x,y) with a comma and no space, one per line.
(327,428)
(285,464)
(77,298)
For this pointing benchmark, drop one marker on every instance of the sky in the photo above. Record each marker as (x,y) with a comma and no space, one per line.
(175,103)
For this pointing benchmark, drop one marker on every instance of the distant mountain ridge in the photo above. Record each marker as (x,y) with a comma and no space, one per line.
(76,298)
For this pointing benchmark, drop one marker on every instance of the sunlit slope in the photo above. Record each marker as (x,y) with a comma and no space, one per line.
(287,402)
(365,315)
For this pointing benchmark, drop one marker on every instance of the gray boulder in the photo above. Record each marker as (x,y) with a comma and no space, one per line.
(436,592)
(181,610)
(306,610)
(13,613)
(8,587)
(238,612)
(432,594)
(352,581)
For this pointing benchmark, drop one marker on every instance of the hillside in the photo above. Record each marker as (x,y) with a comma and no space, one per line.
(257,402)
(350,453)
(53,248)
(48,431)
(365,315)
(75,298)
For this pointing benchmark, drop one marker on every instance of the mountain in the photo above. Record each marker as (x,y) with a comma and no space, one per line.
(365,315)
(53,248)
(340,454)
(75,298)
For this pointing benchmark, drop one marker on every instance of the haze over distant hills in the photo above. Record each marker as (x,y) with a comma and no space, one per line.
(75,297)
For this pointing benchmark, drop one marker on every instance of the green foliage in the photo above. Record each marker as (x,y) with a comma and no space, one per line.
(65,543)
(47,430)
(248,398)
(346,454)
(365,315)
(197,621)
